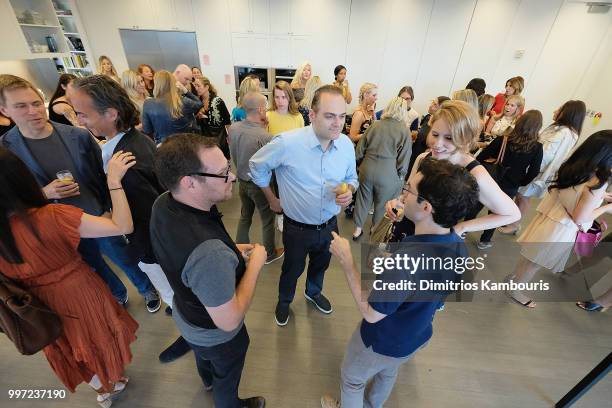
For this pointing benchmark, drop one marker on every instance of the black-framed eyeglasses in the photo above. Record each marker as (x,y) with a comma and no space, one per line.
(406,189)
(225,176)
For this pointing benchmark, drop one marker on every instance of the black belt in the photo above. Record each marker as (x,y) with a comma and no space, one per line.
(311,226)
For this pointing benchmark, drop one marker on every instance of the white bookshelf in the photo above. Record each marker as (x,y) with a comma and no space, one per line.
(78,61)
(40,28)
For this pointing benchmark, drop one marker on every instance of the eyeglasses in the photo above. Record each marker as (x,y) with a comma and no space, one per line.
(406,189)
(225,175)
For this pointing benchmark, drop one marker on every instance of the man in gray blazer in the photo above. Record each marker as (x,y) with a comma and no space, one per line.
(49,149)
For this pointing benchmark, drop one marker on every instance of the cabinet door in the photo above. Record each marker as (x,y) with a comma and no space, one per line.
(260,51)
(260,16)
(241,49)
(13,45)
(300,16)
(279,51)
(300,50)
(240,16)
(279,17)
(130,14)
(184,15)
(165,17)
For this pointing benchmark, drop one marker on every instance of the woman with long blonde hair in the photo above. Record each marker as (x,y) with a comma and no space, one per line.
(312,85)
(364,113)
(298,83)
(134,85)
(385,153)
(106,67)
(512,111)
(284,114)
(248,84)
(169,112)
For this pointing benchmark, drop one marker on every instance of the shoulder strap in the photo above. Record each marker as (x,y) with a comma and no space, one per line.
(472,164)
(502,151)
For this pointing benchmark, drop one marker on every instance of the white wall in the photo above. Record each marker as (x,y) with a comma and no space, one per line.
(41,73)
(434,45)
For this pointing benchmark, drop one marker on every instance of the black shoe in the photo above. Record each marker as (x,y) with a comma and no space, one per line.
(320,302)
(253,402)
(152,301)
(123,302)
(348,211)
(168,311)
(179,348)
(281,314)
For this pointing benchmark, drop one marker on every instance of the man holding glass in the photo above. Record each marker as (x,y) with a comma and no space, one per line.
(67,163)
(315,170)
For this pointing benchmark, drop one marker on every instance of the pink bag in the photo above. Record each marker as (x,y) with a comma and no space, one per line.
(587,241)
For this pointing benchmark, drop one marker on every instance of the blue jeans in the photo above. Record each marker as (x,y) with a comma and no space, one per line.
(116,249)
(90,251)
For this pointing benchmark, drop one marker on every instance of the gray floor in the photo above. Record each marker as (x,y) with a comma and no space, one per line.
(482,354)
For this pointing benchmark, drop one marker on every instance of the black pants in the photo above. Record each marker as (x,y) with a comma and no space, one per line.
(221,366)
(301,242)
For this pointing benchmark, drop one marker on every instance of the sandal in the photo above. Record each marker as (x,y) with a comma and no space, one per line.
(503,230)
(529,303)
(105,399)
(590,306)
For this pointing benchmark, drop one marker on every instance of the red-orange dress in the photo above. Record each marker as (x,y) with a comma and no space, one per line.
(98,341)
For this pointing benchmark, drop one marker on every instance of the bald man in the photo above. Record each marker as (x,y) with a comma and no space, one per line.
(183,75)
(246,138)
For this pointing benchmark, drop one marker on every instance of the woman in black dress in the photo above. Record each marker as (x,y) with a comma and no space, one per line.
(60,109)
(213,118)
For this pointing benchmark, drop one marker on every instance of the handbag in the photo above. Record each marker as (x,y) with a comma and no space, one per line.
(495,167)
(587,241)
(25,319)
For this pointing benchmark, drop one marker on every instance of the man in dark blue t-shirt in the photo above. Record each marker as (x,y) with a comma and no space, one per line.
(398,315)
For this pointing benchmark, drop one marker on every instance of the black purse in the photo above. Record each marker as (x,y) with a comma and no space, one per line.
(495,167)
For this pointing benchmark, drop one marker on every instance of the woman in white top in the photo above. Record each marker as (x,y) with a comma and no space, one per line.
(407,94)
(512,110)
(557,140)
(573,202)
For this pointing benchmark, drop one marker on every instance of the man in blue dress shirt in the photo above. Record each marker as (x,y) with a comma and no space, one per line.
(315,170)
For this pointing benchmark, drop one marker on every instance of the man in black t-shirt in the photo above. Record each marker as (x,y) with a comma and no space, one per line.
(213,278)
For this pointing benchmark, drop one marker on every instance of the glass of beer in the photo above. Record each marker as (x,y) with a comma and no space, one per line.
(65,176)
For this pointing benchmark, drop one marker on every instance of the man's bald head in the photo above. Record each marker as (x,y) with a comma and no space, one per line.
(183,74)
(252,102)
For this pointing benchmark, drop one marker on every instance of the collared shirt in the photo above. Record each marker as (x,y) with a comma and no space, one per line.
(306,174)
(246,138)
(108,148)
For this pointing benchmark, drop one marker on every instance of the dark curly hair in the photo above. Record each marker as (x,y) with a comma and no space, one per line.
(107,93)
(450,189)
(178,156)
